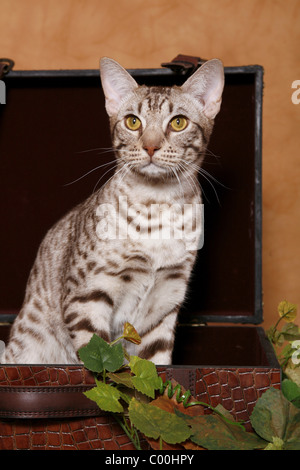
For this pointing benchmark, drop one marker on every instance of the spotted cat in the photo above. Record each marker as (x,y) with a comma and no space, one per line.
(126,254)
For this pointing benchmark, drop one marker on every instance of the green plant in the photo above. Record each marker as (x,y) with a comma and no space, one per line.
(276,417)
(142,403)
(285,338)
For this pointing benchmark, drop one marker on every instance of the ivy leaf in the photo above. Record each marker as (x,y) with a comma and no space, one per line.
(277,444)
(286,354)
(292,371)
(268,417)
(98,355)
(155,422)
(145,379)
(290,331)
(106,397)
(274,416)
(213,433)
(287,310)
(270,333)
(291,391)
(121,378)
(125,397)
(130,334)
(220,408)
(170,403)
(275,336)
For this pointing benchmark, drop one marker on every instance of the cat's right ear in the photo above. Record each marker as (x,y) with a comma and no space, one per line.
(206,85)
(117,83)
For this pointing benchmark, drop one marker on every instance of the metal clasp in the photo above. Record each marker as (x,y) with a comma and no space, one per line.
(5,66)
(184,64)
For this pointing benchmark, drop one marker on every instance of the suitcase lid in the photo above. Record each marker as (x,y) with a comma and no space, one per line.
(54,130)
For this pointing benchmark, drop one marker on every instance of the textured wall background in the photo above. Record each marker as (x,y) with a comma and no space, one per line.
(54,34)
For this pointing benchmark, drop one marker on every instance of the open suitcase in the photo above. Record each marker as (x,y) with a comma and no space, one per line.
(49,126)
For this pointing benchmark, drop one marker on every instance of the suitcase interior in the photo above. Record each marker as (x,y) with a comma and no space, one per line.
(54,130)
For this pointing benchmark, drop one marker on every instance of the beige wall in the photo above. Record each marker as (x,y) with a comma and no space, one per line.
(54,34)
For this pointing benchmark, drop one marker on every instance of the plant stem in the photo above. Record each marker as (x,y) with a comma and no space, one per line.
(277,323)
(229,421)
(280,318)
(128,432)
(185,397)
(116,340)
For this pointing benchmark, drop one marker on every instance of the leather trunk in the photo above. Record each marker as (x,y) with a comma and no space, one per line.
(52,129)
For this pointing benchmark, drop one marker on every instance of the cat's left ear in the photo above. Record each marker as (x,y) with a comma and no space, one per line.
(206,85)
(116,83)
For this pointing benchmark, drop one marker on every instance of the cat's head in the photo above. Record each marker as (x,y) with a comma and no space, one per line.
(161,132)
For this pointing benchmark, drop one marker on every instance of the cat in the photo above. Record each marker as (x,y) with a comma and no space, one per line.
(85,280)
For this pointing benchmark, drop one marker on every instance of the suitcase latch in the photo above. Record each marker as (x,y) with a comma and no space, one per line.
(5,66)
(183,64)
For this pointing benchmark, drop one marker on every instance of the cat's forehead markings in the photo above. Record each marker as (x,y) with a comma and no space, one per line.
(156,98)
(140,105)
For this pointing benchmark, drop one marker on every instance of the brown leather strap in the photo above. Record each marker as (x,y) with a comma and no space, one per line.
(46,402)
(184,376)
(66,401)
(184,63)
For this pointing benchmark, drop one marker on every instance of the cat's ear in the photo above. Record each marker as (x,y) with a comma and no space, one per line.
(116,84)
(206,85)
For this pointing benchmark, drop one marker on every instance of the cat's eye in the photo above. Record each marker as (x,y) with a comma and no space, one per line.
(178,123)
(133,123)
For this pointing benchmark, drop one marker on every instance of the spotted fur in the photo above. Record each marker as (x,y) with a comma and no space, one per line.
(83,282)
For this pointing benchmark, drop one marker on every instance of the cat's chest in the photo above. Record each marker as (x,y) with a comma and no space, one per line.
(162,253)
(163,233)
(167,232)
(155,223)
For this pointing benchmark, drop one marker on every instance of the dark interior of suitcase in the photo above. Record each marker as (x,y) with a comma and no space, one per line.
(54,132)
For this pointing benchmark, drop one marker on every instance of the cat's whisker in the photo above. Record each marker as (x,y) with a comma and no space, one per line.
(197,169)
(189,178)
(104,149)
(179,182)
(209,153)
(104,152)
(92,150)
(207,176)
(91,171)
(102,176)
(113,175)
(191,165)
(126,169)
(211,184)
(203,171)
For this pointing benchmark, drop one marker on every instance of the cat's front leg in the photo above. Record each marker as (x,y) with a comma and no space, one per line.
(160,309)
(157,344)
(86,314)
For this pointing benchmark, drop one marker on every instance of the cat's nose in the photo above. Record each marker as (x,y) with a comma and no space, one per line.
(150,149)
